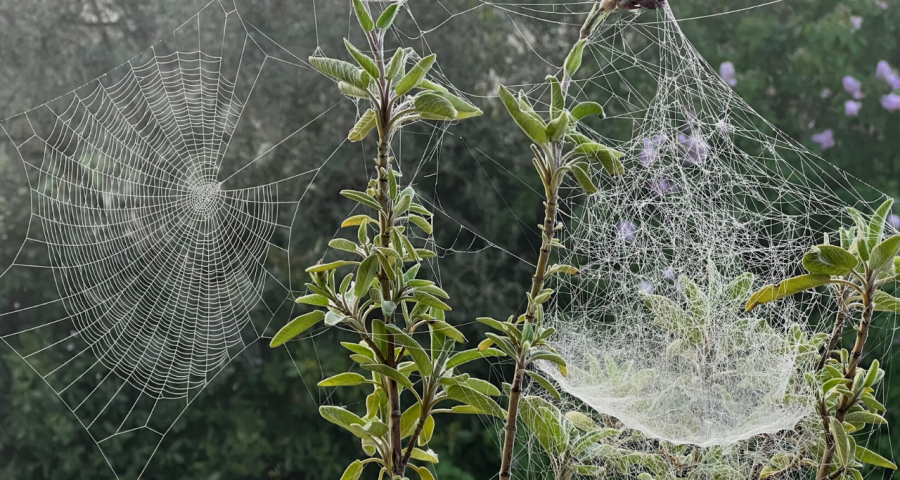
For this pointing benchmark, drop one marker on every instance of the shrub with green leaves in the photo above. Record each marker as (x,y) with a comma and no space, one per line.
(857,272)
(406,350)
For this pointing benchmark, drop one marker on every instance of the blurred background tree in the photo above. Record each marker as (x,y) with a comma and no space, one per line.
(811,67)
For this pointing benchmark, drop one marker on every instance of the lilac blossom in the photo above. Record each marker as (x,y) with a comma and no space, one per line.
(669,273)
(852,108)
(857,22)
(645,287)
(883,5)
(661,187)
(696,148)
(853,87)
(891,102)
(826,92)
(627,231)
(651,149)
(824,139)
(726,70)
(884,72)
(894,221)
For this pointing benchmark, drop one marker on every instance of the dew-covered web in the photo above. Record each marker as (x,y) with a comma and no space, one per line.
(168,255)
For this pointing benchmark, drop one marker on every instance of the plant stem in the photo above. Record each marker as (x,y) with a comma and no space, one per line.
(837,330)
(825,464)
(511,418)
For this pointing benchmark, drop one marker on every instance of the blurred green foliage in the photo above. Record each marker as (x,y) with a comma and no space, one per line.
(250,423)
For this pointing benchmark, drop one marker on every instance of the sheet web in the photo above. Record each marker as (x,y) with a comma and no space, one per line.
(170,260)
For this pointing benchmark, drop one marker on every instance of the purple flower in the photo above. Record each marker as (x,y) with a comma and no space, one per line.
(891,102)
(696,148)
(894,221)
(627,231)
(883,5)
(852,108)
(726,70)
(853,87)
(651,149)
(889,75)
(660,187)
(824,139)
(645,287)
(857,22)
(826,92)
(669,273)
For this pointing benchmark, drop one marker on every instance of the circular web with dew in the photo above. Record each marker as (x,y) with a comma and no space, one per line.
(167,253)
(711,191)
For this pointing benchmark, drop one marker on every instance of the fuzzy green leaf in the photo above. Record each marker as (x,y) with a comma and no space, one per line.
(340,416)
(557,100)
(463,108)
(430,300)
(885,302)
(424,456)
(420,358)
(877,223)
(573,60)
(829,260)
(364,61)
(786,288)
(363,126)
(368,269)
(391,373)
(865,455)
(585,109)
(841,441)
(313,299)
(535,128)
(433,106)
(342,244)
(475,399)
(362,198)
(342,71)
(470,355)
(355,469)
(584,178)
(883,254)
(296,327)
(343,380)
(415,76)
(387,17)
(365,21)
(604,155)
(544,383)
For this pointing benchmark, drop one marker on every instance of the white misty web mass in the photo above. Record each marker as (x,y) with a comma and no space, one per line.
(151,225)
(653,328)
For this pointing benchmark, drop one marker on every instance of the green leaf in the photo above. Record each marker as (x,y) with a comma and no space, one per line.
(342,244)
(355,469)
(340,416)
(423,472)
(332,319)
(343,380)
(865,417)
(387,17)
(342,71)
(415,76)
(841,441)
(558,127)
(475,399)
(389,372)
(882,257)
(433,106)
(368,269)
(421,359)
(585,109)
(604,155)
(463,108)
(573,60)
(363,126)
(877,223)
(548,356)
(420,222)
(595,471)
(786,288)
(362,198)
(448,330)
(865,455)
(829,260)
(533,127)
(739,288)
(427,432)
(365,21)
(324,267)
(886,303)
(469,355)
(544,383)
(424,456)
(296,327)
(557,100)
(351,91)
(584,178)
(363,60)
(430,300)
(397,61)
(581,421)
(313,299)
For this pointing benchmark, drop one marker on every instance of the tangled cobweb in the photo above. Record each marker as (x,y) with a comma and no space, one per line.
(713,194)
